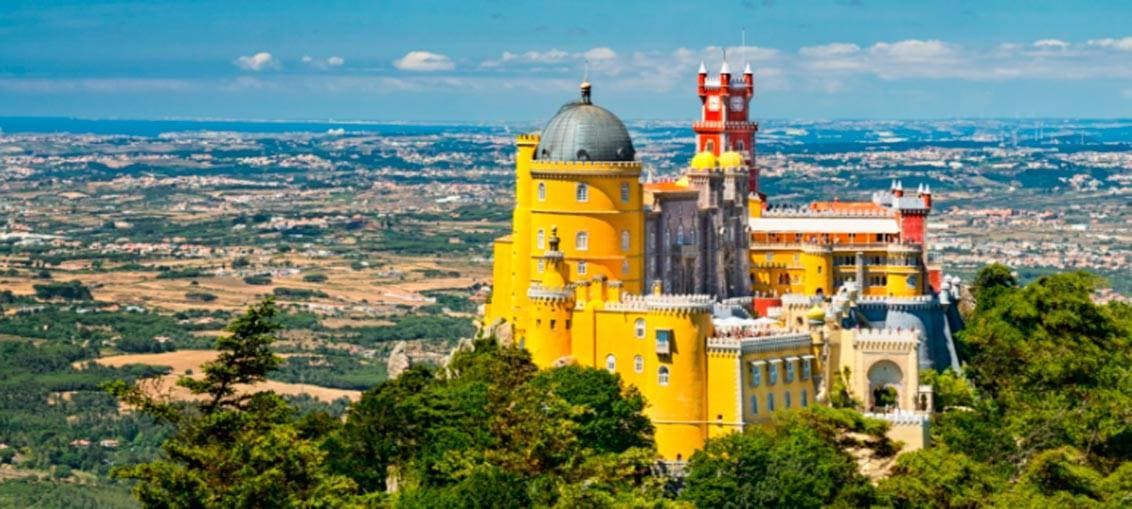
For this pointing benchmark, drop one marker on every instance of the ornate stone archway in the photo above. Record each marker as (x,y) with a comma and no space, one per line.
(886,385)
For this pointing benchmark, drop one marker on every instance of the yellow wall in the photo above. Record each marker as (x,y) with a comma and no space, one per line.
(781,387)
(808,269)
(724,413)
(603,217)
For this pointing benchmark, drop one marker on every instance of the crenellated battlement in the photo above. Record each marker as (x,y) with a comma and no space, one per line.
(538,164)
(528,138)
(800,211)
(685,303)
(541,294)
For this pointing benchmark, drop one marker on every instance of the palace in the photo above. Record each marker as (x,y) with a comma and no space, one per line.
(721,309)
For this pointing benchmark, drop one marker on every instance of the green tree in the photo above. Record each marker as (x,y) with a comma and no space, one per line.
(797,460)
(490,430)
(991,281)
(231,449)
(939,477)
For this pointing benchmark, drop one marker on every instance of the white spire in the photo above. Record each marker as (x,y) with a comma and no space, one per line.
(703,69)
(725,69)
(899,185)
(747,69)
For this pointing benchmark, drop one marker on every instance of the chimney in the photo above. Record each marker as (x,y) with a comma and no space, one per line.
(701,81)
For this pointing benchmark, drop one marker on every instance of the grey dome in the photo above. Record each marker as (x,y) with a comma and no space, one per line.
(583,131)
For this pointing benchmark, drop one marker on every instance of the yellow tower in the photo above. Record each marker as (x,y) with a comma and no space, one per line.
(552,305)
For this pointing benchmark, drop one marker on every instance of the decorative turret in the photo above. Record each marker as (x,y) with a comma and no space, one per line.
(749,80)
(897,189)
(724,73)
(701,81)
(925,195)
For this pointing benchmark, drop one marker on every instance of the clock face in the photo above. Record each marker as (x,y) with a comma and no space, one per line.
(737,103)
(713,103)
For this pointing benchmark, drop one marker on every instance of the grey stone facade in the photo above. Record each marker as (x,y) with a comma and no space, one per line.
(696,236)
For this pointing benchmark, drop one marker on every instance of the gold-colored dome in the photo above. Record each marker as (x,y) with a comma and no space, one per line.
(816,314)
(703,161)
(730,160)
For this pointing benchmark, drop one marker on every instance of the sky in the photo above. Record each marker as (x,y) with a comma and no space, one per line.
(518,60)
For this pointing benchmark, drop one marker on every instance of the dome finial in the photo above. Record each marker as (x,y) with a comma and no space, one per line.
(585,86)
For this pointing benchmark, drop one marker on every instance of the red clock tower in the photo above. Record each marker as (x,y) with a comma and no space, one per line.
(724,123)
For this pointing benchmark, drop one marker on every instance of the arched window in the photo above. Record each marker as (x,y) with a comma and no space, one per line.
(582,241)
(540,239)
(770,402)
(639,364)
(583,192)
(739,145)
(662,376)
(680,235)
(542,191)
(541,266)
(755,405)
(610,363)
(639,328)
(625,240)
(625,267)
(709,146)
(803,400)
(786,399)
(582,267)
(625,192)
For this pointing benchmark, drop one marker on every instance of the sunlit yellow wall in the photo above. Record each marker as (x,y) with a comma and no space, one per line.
(603,216)
(724,412)
(548,337)
(764,388)
(500,305)
(810,268)
(521,238)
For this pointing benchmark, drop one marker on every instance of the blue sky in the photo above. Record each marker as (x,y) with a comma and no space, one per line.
(518,60)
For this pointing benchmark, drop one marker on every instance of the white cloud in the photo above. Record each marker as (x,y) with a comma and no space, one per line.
(600,54)
(1122,44)
(912,50)
(307,59)
(833,50)
(1051,44)
(424,61)
(258,62)
(335,61)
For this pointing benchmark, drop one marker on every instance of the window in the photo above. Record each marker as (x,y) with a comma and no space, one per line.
(755,405)
(582,267)
(639,328)
(625,192)
(582,193)
(807,366)
(542,191)
(740,145)
(664,342)
(680,235)
(756,374)
(541,266)
(772,373)
(625,240)
(770,402)
(639,364)
(789,371)
(540,239)
(662,376)
(709,146)
(625,267)
(582,241)
(786,400)
(610,363)
(803,400)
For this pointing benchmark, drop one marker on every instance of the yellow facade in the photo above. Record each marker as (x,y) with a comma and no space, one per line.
(808,269)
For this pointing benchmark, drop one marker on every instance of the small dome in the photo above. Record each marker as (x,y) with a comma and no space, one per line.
(730,160)
(704,160)
(816,314)
(583,131)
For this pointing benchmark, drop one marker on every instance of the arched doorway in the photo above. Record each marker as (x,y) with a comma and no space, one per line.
(886,385)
